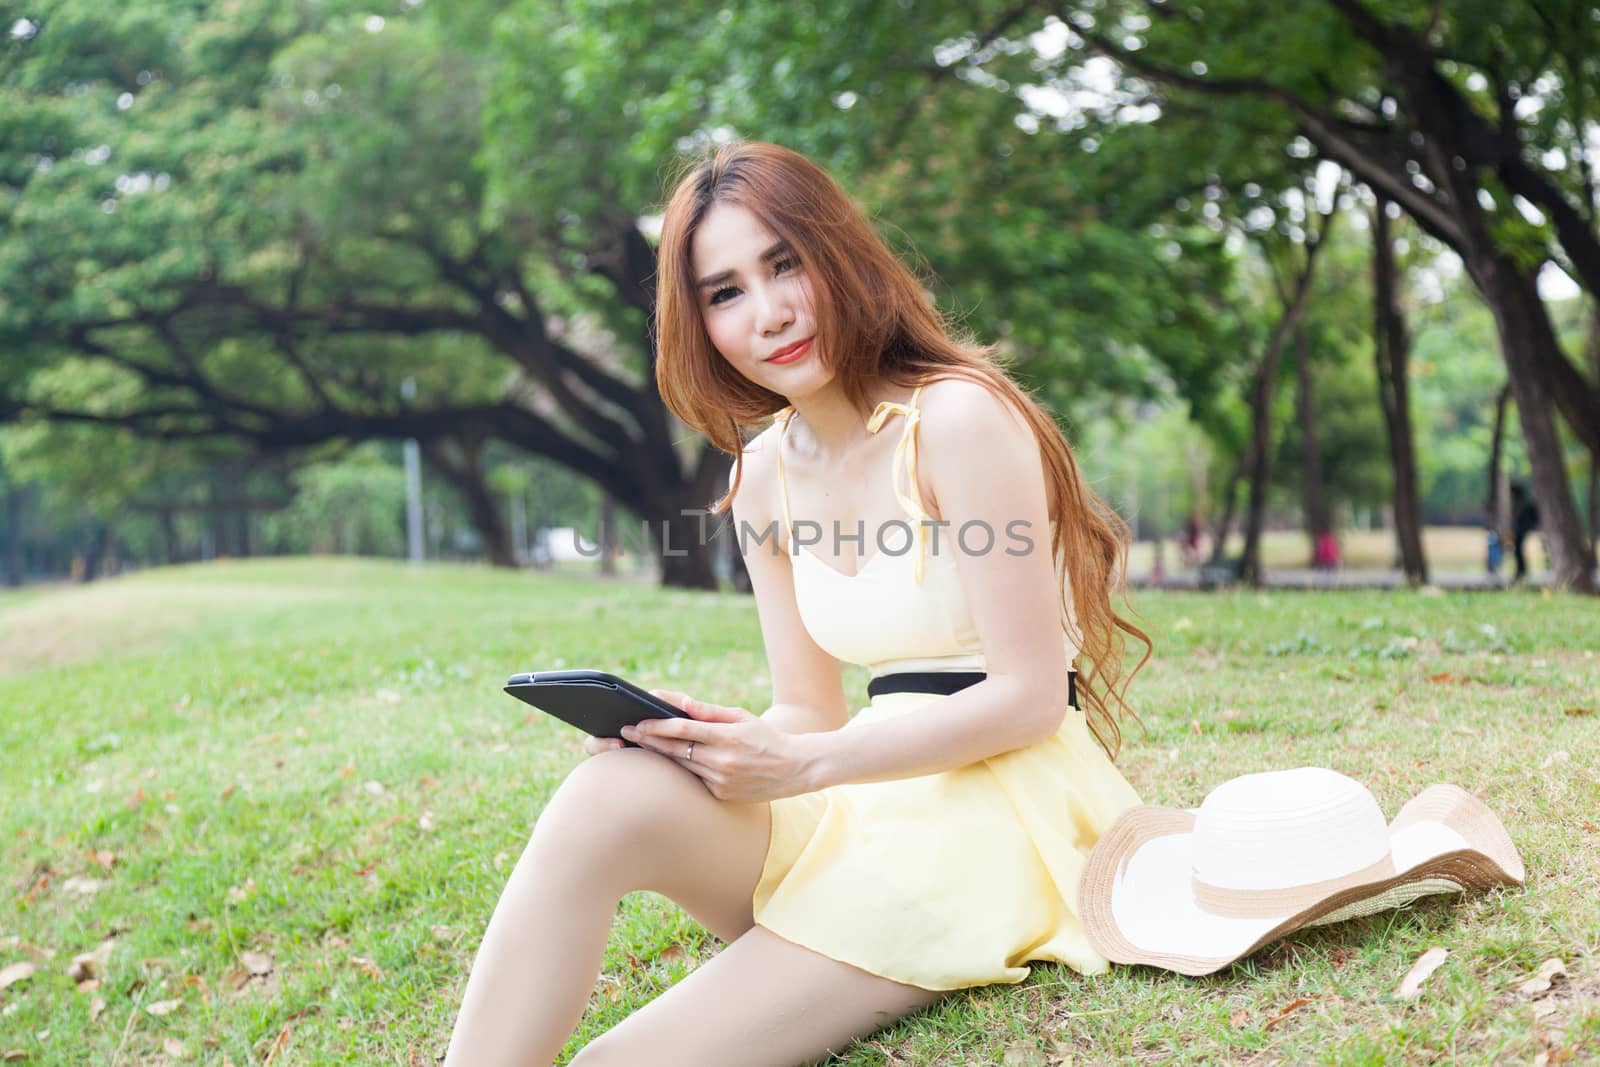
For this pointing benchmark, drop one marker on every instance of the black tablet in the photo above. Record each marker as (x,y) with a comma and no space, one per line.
(594,701)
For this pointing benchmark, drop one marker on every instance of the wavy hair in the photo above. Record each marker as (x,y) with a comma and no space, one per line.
(875,325)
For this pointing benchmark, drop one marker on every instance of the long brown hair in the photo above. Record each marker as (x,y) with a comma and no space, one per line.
(875,326)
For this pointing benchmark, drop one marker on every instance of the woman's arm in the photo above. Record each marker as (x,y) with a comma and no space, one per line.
(807,683)
(999,714)
(800,719)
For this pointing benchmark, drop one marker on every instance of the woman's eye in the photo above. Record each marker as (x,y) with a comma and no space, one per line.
(786,262)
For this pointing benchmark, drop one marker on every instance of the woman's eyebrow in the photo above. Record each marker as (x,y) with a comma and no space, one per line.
(717,279)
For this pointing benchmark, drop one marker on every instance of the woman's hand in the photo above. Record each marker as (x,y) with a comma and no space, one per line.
(738,756)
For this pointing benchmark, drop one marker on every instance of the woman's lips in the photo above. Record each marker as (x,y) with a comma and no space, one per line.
(794,355)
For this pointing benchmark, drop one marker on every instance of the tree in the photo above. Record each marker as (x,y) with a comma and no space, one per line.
(289,225)
(1392,352)
(1421,103)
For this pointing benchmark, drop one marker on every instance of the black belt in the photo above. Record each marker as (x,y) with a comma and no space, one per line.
(945,683)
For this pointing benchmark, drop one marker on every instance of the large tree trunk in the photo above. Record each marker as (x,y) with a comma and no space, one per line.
(608,535)
(688,527)
(1261,393)
(1524,328)
(1594,457)
(1318,516)
(97,537)
(11,532)
(1230,504)
(462,467)
(170,549)
(1392,349)
(1496,503)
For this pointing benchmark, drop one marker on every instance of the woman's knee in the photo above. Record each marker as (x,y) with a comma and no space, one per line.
(618,800)
(635,819)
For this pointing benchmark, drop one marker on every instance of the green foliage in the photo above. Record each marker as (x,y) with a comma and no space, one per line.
(352,506)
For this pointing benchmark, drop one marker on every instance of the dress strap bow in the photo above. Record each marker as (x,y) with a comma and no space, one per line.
(905,453)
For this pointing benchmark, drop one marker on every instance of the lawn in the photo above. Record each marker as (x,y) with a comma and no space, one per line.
(279,800)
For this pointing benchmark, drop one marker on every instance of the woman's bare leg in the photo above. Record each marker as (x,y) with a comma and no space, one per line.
(622,821)
(760,1002)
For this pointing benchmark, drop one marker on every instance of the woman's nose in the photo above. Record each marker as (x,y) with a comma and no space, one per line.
(774,313)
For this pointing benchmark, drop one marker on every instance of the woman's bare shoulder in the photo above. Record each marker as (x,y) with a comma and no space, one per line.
(961,409)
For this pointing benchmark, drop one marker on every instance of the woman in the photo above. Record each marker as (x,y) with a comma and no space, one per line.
(857,868)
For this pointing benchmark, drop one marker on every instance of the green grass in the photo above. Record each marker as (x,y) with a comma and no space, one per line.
(311,760)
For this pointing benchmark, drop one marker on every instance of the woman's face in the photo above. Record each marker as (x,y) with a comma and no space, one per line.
(755,300)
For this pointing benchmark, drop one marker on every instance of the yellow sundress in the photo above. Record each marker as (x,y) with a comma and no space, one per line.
(947,880)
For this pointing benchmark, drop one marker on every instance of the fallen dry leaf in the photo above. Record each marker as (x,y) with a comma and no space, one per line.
(1342,956)
(1578,713)
(97,1008)
(88,966)
(1022,1054)
(1239,1019)
(104,857)
(1543,978)
(15,973)
(672,954)
(1288,1009)
(368,968)
(163,1007)
(15,1055)
(1426,964)
(194,981)
(278,1043)
(174,1048)
(83,886)
(425,822)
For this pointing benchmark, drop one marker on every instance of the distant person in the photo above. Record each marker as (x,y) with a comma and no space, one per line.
(1325,555)
(1189,544)
(1524,520)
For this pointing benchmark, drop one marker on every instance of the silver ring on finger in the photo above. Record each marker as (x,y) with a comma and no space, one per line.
(690,754)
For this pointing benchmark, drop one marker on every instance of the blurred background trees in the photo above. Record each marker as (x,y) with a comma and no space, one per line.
(1284,274)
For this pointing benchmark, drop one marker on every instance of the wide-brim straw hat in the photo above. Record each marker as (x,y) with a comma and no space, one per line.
(1265,854)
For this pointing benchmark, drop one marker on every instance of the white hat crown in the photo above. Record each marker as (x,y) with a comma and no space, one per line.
(1288,829)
